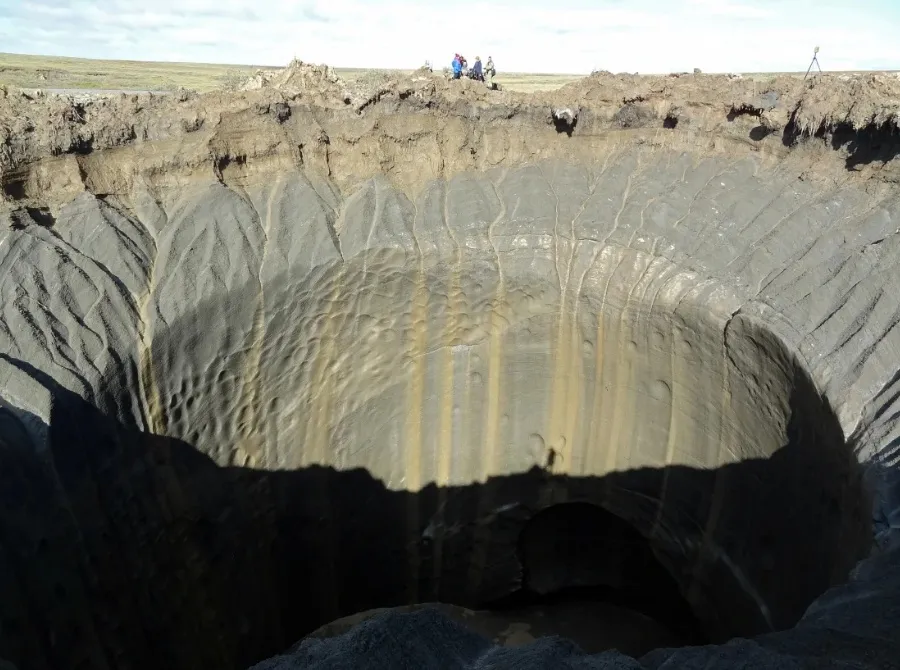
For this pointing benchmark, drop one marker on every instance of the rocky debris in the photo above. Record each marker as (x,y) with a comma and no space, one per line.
(427,639)
(443,638)
(595,626)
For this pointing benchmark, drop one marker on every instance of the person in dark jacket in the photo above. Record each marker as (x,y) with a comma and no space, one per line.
(477,73)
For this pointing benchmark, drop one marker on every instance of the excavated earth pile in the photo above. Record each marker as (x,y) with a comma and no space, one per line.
(598,378)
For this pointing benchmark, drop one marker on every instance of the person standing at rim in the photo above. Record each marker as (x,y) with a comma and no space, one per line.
(489,71)
(476,69)
(457,67)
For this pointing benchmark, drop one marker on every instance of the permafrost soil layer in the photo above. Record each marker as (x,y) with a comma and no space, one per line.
(274,358)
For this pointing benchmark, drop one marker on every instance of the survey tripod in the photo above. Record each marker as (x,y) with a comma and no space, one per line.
(815,61)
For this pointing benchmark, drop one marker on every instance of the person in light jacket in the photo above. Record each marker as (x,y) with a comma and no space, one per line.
(489,72)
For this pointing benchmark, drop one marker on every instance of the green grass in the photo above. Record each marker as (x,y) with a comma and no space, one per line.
(29,72)
(58,72)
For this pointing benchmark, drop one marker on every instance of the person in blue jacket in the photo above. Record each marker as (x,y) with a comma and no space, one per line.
(457,67)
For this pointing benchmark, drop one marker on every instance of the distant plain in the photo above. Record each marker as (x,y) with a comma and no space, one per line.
(55,72)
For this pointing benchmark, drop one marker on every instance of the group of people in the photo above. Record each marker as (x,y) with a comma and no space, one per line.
(478,72)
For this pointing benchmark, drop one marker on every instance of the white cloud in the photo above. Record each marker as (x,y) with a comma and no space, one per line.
(524,35)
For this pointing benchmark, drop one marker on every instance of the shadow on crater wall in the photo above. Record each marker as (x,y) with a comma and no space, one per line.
(127,550)
(865,145)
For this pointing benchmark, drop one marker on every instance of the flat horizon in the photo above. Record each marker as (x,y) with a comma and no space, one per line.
(4,54)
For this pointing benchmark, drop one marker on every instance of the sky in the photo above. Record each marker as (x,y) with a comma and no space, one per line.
(562,36)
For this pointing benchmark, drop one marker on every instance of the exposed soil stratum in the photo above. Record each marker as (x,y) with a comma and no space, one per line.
(277,357)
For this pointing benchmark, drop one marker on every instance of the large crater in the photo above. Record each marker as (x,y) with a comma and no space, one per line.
(648,378)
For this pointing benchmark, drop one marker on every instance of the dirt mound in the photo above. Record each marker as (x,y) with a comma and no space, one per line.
(298,78)
(321,85)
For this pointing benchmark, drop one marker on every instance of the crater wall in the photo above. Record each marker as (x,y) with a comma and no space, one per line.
(239,404)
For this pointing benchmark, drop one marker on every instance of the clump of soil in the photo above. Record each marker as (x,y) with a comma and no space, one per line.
(634,115)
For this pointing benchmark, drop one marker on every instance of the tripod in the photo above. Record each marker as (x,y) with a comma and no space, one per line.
(815,61)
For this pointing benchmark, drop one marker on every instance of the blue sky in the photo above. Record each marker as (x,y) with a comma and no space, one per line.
(522,35)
